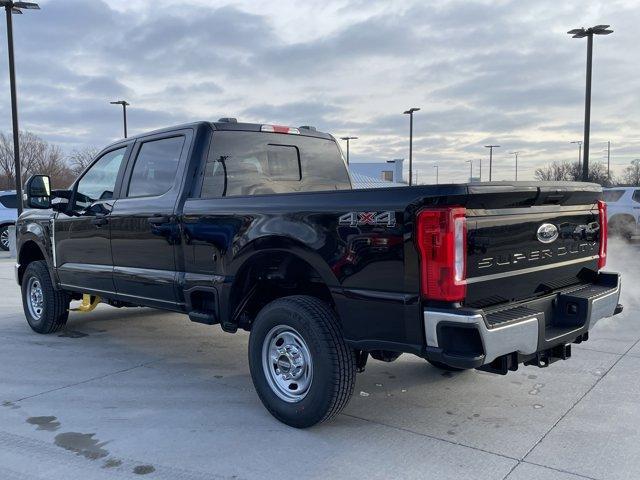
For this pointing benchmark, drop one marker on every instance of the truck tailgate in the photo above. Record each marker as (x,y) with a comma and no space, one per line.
(513,255)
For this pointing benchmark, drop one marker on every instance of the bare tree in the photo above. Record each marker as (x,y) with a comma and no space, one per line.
(572,172)
(557,171)
(80,159)
(36,156)
(631,175)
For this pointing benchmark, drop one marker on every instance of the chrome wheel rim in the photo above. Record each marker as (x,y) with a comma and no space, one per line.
(287,364)
(4,238)
(35,298)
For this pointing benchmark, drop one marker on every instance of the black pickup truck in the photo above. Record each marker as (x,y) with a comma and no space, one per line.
(257,227)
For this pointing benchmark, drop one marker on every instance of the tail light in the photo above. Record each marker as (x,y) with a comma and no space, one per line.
(441,237)
(602,215)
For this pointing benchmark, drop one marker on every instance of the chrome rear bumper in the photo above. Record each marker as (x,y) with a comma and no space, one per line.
(524,329)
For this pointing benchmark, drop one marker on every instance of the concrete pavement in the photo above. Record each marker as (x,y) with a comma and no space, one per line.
(125,393)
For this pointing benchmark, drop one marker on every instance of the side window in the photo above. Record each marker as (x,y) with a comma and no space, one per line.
(99,182)
(9,201)
(636,196)
(154,171)
(611,196)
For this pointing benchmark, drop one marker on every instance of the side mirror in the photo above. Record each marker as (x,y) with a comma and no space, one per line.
(38,190)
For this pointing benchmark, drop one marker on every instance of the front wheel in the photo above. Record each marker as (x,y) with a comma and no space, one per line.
(301,367)
(4,238)
(46,308)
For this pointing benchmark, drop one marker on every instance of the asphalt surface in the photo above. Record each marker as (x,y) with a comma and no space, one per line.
(130,393)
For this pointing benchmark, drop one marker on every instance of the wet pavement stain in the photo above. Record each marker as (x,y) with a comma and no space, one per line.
(73,334)
(10,405)
(83,444)
(49,424)
(536,389)
(112,463)
(144,469)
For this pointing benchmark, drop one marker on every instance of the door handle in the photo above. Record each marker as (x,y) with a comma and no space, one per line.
(158,219)
(99,221)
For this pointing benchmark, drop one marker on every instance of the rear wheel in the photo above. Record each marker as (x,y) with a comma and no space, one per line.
(301,367)
(4,238)
(46,309)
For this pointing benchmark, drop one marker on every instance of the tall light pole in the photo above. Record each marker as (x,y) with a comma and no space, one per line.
(579,142)
(491,147)
(609,161)
(437,169)
(124,112)
(470,162)
(12,8)
(589,33)
(480,168)
(410,112)
(347,139)
(516,155)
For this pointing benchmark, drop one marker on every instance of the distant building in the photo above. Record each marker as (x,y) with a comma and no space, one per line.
(389,171)
(364,181)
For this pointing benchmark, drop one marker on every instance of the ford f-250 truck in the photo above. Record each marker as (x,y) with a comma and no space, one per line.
(256,227)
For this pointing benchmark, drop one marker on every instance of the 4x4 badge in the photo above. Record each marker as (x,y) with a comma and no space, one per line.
(355,219)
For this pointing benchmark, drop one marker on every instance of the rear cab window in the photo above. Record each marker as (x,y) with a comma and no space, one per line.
(258,163)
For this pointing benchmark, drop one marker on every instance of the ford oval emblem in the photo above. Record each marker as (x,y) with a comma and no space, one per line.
(547,233)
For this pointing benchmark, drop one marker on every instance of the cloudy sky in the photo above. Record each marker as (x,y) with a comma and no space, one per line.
(487,71)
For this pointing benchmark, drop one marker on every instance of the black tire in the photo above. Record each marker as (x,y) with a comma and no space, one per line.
(54,309)
(333,371)
(4,238)
(444,366)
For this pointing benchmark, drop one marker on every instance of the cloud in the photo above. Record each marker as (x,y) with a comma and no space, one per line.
(502,71)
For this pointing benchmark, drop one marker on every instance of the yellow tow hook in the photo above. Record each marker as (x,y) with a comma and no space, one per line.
(89,303)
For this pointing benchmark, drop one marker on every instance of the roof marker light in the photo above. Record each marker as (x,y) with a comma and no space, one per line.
(280,129)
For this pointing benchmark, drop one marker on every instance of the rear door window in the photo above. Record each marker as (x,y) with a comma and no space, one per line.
(636,196)
(154,171)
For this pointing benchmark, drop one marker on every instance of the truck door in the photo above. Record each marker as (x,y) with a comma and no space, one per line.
(82,251)
(144,227)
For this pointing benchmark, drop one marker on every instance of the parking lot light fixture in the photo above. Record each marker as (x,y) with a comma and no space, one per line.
(579,142)
(15,8)
(589,33)
(410,112)
(348,139)
(516,155)
(491,147)
(124,104)
(470,162)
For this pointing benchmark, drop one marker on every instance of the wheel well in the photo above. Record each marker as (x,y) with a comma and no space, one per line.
(30,252)
(269,276)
